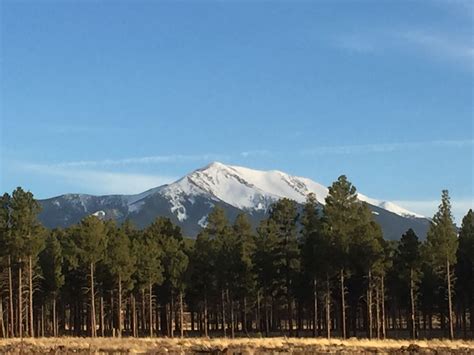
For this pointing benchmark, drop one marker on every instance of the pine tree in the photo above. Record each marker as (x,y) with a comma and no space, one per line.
(313,251)
(175,263)
(244,250)
(339,221)
(266,268)
(28,237)
(6,254)
(219,231)
(366,255)
(51,261)
(91,242)
(283,214)
(442,243)
(121,264)
(149,267)
(465,269)
(408,265)
(202,270)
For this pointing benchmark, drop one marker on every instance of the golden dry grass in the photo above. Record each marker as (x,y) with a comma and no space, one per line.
(65,345)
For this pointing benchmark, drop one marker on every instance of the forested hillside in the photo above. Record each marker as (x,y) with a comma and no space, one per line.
(326,273)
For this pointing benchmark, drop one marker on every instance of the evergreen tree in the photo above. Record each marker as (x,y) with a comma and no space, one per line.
(202,274)
(266,269)
(339,221)
(408,264)
(283,214)
(28,237)
(244,276)
(121,264)
(313,252)
(149,267)
(175,263)
(366,254)
(91,241)
(465,269)
(442,244)
(6,254)
(51,261)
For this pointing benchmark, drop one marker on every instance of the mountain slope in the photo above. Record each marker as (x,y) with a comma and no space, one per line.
(189,200)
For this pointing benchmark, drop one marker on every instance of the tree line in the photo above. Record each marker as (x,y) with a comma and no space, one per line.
(303,271)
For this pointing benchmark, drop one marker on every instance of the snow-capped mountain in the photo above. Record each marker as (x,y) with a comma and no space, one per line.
(189,200)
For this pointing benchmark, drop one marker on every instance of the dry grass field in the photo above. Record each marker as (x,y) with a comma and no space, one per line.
(69,345)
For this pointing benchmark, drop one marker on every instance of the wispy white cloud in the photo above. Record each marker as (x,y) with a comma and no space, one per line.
(385,147)
(98,181)
(452,47)
(255,153)
(429,207)
(355,43)
(147,160)
(440,45)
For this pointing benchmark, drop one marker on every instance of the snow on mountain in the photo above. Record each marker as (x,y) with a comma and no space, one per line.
(249,189)
(189,200)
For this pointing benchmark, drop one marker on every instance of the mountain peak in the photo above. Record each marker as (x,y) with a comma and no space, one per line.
(189,199)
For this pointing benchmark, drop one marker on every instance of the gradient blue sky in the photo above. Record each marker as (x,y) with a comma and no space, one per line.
(117,97)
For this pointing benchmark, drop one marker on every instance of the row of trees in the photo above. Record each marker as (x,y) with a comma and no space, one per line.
(302,271)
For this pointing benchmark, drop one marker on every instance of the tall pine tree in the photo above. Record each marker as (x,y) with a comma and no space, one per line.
(442,243)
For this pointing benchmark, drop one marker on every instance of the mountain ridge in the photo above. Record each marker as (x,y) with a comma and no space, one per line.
(188,200)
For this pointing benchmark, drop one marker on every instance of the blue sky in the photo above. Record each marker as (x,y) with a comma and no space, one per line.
(117,97)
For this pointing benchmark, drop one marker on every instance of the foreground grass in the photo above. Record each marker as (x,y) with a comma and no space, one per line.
(65,345)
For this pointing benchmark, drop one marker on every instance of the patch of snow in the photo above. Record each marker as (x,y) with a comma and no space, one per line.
(250,189)
(203,221)
(100,214)
(390,206)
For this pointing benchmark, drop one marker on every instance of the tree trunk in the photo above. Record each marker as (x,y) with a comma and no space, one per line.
(412,303)
(244,319)
(258,314)
(42,320)
(369,305)
(119,308)
(20,302)
(10,291)
(290,315)
(206,319)
(30,294)
(328,309)
(55,327)
(343,305)
(171,321)
(92,313)
(150,308)
(2,322)
(315,309)
(232,331)
(181,314)
(377,311)
(267,320)
(102,325)
(383,307)
(134,316)
(223,314)
(450,306)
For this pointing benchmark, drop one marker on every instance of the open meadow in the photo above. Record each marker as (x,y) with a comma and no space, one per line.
(279,345)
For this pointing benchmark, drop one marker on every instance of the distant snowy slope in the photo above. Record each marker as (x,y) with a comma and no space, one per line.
(189,200)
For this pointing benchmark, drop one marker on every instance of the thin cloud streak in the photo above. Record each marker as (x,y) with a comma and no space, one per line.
(101,182)
(442,46)
(385,147)
(157,159)
(429,207)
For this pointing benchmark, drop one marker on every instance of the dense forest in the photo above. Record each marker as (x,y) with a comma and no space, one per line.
(312,271)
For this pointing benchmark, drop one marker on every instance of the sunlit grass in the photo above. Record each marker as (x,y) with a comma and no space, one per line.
(244,345)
